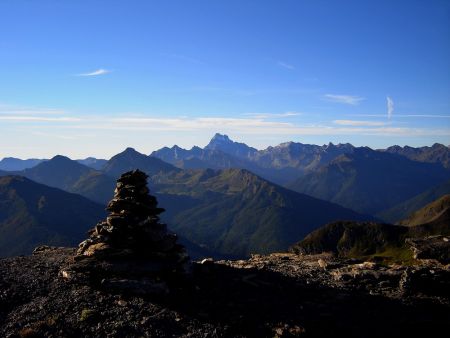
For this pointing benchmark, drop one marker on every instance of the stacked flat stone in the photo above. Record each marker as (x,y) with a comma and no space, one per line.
(131,241)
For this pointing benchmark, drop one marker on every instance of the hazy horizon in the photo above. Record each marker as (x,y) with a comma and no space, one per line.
(148,152)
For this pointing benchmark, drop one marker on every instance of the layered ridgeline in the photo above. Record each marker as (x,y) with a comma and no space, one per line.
(130,159)
(94,163)
(370,240)
(370,181)
(33,214)
(402,210)
(230,212)
(17,164)
(235,212)
(437,153)
(436,212)
(281,164)
(367,181)
(69,175)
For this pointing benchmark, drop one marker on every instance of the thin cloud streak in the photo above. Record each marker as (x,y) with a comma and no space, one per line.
(253,126)
(58,136)
(31,112)
(6,109)
(345,99)
(286,65)
(359,123)
(403,115)
(390,107)
(258,124)
(39,119)
(272,115)
(97,72)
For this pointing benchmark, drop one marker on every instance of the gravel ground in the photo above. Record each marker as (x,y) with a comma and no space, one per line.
(280,295)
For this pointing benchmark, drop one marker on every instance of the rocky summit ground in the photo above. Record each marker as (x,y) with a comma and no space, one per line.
(280,295)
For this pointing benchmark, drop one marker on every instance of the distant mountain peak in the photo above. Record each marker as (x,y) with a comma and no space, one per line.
(60,158)
(223,143)
(285,144)
(130,150)
(130,159)
(331,145)
(17,164)
(221,137)
(220,140)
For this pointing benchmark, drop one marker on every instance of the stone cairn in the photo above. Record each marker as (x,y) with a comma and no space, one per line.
(131,249)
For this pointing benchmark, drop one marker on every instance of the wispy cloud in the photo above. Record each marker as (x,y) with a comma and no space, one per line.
(30,111)
(252,124)
(390,107)
(424,115)
(255,125)
(359,123)
(404,115)
(285,65)
(97,72)
(10,112)
(273,115)
(52,135)
(38,118)
(345,99)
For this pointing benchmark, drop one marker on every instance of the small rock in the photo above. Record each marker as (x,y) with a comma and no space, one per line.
(322,264)
(122,302)
(207,261)
(66,274)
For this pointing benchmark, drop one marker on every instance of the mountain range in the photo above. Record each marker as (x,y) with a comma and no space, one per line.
(370,181)
(17,164)
(437,153)
(230,212)
(281,164)
(231,199)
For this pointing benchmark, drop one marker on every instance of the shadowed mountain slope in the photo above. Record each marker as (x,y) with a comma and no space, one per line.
(16,164)
(33,214)
(432,212)
(93,163)
(60,172)
(130,159)
(69,175)
(409,206)
(235,212)
(369,181)
(369,240)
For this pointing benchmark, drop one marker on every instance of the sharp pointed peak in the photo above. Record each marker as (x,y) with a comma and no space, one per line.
(130,151)
(221,137)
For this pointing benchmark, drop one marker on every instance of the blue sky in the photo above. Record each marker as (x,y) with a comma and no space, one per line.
(91,77)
